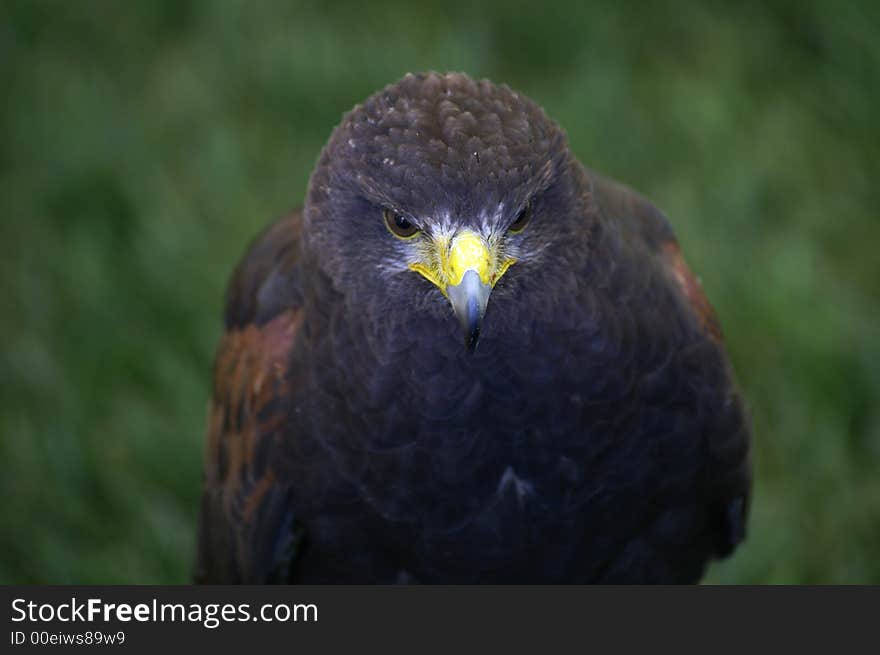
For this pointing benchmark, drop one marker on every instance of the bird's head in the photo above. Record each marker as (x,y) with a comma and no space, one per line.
(443,179)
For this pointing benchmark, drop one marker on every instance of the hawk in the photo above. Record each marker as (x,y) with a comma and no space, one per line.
(468,359)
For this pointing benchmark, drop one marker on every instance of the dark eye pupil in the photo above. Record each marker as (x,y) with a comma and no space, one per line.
(522,218)
(399,225)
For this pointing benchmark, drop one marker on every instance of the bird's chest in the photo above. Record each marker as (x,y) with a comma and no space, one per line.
(443,440)
(518,450)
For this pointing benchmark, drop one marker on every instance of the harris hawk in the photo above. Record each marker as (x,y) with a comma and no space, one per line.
(468,359)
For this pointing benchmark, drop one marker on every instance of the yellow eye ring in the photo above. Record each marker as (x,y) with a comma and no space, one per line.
(399,225)
(522,219)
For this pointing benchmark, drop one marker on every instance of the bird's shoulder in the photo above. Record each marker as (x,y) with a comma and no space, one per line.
(267,280)
(246,530)
(675,309)
(646,229)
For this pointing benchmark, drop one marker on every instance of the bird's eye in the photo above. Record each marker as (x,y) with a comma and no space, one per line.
(399,226)
(522,219)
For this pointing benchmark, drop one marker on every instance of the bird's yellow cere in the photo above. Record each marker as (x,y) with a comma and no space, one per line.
(449,259)
(468,253)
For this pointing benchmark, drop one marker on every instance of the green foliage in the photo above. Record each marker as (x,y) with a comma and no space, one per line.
(142,144)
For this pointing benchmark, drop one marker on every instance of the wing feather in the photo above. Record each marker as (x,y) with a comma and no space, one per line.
(727,436)
(643,222)
(247,532)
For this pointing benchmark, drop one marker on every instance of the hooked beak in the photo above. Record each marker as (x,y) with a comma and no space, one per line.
(466,270)
(469,299)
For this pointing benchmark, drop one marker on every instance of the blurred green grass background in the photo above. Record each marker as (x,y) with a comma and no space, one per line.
(142,144)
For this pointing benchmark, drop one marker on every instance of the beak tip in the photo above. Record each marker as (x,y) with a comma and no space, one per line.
(469,300)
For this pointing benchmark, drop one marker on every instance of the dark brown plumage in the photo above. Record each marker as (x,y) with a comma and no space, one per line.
(590,431)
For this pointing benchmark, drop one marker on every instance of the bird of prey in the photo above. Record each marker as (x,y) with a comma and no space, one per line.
(468,359)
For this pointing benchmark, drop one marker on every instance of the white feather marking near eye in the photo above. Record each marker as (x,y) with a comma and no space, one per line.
(489,222)
(443,225)
(398,262)
(534,253)
(391,266)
